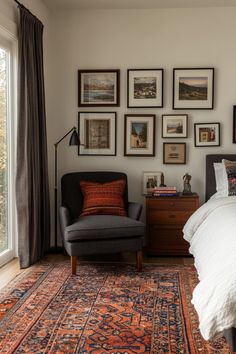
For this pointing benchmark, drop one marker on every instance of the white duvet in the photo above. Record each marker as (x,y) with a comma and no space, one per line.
(211,232)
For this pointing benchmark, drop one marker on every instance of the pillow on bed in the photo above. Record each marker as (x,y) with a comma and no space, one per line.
(230,167)
(221,180)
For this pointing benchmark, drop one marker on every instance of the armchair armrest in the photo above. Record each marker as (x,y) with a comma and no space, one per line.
(64,218)
(134,210)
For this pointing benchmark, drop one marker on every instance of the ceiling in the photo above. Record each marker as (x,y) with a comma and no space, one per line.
(135,4)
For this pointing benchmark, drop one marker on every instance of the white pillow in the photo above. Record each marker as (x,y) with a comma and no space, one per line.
(221,179)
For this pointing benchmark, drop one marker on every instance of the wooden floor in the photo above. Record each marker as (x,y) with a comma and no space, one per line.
(12,269)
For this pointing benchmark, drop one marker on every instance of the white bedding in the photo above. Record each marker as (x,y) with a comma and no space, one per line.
(211,232)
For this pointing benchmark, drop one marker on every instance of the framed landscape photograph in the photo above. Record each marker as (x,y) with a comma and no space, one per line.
(207,134)
(234,124)
(174,153)
(193,88)
(174,126)
(145,88)
(151,180)
(99,88)
(139,135)
(97,132)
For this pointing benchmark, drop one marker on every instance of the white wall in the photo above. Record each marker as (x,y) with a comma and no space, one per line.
(165,38)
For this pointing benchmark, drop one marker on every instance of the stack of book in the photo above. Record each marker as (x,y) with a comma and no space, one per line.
(164,192)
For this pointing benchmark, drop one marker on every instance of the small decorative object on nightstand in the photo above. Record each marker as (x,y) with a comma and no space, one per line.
(187,185)
(165,218)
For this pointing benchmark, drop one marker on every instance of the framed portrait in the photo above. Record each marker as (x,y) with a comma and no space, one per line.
(139,135)
(207,134)
(145,88)
(193,88)
(174,126)
(234,124)
(151,180)
(97,131)
(99,88)
(174,153)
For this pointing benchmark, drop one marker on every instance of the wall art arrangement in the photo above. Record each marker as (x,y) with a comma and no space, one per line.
(145,88)
(99,88)
(151,180)
(139,138)
(98,133)
(193,88)
(207,134)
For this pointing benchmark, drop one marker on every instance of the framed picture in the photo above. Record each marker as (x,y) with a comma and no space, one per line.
(207,134)
(174,153)
(174,126)
(193,88)
(145,88)
(99,88)
(97,132)
(234,124)
(150,181)
(139,137)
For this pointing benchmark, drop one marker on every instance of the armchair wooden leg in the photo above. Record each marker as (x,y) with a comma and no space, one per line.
(73,260)
(139,260)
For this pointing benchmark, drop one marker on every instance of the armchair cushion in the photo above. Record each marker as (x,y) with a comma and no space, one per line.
(103,198)
(95,227)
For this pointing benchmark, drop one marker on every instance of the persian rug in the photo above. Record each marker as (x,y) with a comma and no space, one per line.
(105,308)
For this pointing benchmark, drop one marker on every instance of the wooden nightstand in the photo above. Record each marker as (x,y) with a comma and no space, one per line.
(165,218)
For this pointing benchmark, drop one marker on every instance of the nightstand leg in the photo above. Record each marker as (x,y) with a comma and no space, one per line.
(139,260)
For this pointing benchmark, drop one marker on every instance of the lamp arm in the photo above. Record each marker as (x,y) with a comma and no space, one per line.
(74,128)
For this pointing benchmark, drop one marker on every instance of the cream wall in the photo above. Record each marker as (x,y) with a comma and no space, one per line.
(165,38)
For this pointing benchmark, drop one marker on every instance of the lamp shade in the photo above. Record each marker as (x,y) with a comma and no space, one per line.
(74,139)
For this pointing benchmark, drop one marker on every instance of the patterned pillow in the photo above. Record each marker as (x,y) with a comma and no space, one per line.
(230,167)
(103,198)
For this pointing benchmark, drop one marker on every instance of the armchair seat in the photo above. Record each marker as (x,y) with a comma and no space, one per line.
(99,227)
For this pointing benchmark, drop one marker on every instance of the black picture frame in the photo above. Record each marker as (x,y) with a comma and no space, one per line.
(170,126)
(193,88)
(234,124)
(174,153)
(206,134)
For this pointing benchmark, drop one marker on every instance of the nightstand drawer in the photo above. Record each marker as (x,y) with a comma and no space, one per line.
(171,204)
(164,242)
(160,217)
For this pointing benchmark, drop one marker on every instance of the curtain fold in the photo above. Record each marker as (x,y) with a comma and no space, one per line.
(32,187)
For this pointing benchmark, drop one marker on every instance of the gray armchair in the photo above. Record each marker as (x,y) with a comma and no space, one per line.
(98,234)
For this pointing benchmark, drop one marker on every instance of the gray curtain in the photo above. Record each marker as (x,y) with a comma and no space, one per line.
(32,189)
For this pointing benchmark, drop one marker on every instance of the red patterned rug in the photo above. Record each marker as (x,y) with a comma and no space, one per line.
(103,309)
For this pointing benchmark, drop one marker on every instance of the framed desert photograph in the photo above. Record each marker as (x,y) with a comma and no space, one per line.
(99,88)
(139,135)
(151,180)
(97,132)
(207,134)
(174,126)
(234,124)
(145,88)
(193,88)
(174,153)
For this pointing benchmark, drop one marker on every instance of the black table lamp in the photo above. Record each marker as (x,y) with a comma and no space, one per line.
(74,140)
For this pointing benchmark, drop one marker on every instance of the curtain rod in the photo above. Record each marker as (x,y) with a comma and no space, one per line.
(21,5)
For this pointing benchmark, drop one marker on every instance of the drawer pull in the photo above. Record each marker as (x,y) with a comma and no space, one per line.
(172,204)
(172,216)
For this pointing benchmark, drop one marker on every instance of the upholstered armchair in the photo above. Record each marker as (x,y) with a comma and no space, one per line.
(98,234)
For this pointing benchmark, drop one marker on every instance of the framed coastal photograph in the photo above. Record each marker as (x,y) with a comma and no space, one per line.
(174,153)
(139,135)
(99,88)
(207,134)
(234,124)
(193,88)
(145,88)
(151,180)
(174,126)
(97,132)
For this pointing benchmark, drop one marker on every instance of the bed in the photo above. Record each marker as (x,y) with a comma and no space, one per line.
(211,232)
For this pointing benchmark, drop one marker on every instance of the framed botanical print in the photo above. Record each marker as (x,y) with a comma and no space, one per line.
(151,180)
(207,134)
(193,88)
(145,88)
(174,153)
(97,131)
(174,126)
(139,137)
(99,88)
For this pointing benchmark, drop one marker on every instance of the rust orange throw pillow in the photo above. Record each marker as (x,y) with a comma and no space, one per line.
(103,198)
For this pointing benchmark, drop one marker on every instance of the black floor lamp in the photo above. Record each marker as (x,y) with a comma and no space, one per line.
(74,140)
